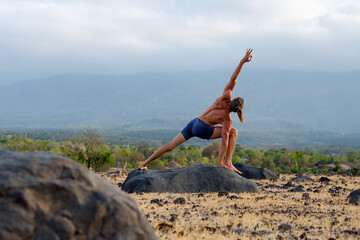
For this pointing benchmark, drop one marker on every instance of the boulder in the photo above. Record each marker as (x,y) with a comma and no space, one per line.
(354,197)
(192,179)
(255,173)
(47,196)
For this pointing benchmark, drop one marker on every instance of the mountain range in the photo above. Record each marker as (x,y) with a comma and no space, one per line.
(274,100)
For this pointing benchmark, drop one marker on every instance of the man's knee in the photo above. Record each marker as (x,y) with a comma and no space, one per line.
(234,132)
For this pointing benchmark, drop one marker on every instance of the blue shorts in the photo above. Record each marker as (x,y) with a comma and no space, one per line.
(197,128)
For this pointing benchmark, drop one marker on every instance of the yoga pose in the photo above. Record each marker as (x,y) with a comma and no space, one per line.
(204,125)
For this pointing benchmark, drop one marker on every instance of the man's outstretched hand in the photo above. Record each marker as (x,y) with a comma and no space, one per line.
(248,56)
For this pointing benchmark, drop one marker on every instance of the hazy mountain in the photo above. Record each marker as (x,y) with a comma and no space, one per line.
(273,100)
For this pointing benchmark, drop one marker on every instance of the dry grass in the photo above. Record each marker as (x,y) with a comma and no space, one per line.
(324,215)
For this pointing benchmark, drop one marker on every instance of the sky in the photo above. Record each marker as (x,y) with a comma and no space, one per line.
(43,38)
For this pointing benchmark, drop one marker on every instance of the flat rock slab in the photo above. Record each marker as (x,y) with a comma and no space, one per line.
(301,178)
(47,196)
(192,179)
(255,173)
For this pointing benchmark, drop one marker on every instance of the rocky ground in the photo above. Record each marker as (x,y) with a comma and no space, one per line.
(298,209)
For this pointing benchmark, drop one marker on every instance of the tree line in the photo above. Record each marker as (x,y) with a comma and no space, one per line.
(90,149)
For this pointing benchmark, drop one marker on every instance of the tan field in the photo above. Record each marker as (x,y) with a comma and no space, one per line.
(320,212)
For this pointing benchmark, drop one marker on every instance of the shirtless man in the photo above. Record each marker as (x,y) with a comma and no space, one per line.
(204,125)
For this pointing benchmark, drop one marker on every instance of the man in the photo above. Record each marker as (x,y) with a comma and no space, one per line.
(204,125)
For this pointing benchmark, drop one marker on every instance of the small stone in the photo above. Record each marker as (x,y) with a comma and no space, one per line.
(333,223)
(210,229)
(238,230)
(305,196)
(324,179)
(354,232)
(260,232)
(284,227)
(279,237)
(157,201)
(164,227)
(303,236)
(214,213)
(180,200)
(173,217)
(186,213)
(233,197)
(221,194)
(289,184)
(294,237)
(297,189)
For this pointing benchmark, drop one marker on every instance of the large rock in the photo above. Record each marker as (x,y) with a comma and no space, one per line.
(354,197)
(46,196)
(255,173)
(192,179)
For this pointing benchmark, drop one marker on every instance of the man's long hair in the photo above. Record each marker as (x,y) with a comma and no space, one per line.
(236,105)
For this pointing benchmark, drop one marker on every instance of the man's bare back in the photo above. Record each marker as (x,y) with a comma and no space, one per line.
(217,113)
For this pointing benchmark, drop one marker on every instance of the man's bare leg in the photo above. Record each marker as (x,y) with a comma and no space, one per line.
(230,150)
(232,140)
(179,139)
(217,134)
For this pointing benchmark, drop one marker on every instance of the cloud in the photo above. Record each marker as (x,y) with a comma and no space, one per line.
(115,36)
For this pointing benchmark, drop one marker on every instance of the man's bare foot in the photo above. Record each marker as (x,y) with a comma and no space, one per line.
(231,168)
(235,169)
(226,167)
(142,168)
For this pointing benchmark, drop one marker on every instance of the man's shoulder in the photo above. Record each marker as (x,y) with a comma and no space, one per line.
(224,98)
(221,100)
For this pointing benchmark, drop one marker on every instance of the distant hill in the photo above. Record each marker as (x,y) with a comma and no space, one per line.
(273,100)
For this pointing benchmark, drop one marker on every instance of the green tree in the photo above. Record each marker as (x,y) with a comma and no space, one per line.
(352,156)
(294,168)
(91,139)
(254,158)
(212,150)
(118,154)
(337,165)
(102,158)
(74,150)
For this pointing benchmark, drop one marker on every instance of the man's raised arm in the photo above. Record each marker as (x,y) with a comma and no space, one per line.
(231,84)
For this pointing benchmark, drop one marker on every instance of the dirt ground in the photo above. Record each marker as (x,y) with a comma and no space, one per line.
(319,211)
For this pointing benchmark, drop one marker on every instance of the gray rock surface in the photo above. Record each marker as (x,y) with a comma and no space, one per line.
(301,178)
(354,197)
(47,196)
(255,173)
(191,179)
